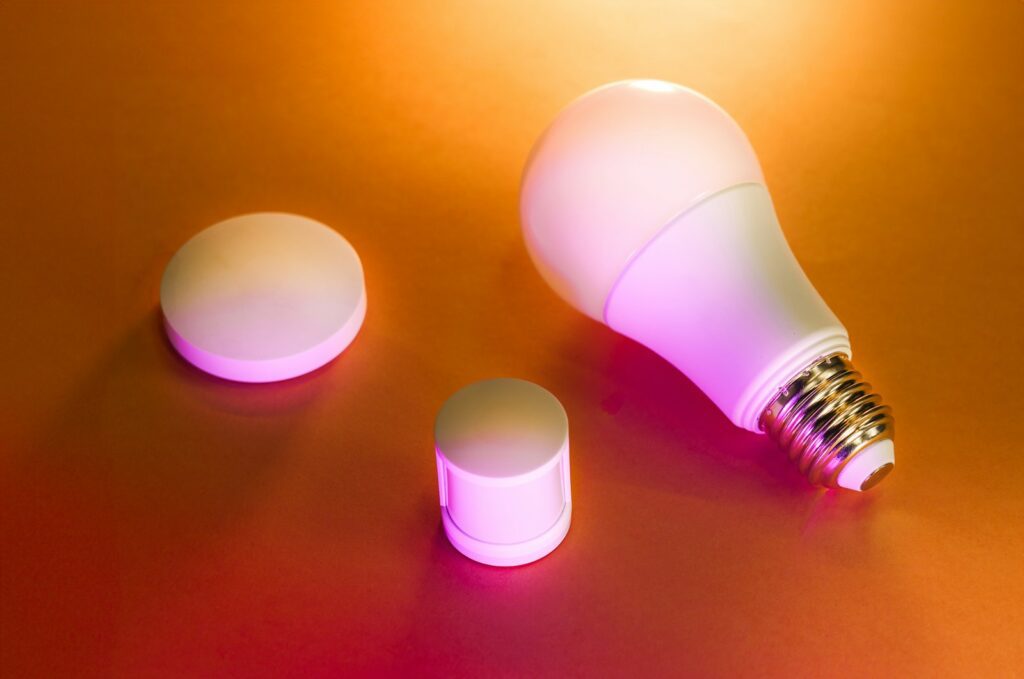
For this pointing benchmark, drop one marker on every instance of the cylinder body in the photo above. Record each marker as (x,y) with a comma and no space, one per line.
(504,511)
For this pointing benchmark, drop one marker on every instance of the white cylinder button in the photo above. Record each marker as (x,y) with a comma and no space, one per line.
(502,450)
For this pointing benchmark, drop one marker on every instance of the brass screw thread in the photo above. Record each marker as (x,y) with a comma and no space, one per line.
(824,416)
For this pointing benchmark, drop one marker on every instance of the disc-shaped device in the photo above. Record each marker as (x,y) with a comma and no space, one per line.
(263,297)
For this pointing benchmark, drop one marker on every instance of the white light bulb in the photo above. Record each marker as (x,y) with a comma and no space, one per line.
(644,206)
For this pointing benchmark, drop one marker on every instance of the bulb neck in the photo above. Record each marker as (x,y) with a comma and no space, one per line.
(824,417)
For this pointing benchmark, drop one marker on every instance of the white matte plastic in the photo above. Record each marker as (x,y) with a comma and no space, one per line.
(719,294)
(263,297)
(502,449)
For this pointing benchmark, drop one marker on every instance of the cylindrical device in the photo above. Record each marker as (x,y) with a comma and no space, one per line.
(502,449)
(644,206)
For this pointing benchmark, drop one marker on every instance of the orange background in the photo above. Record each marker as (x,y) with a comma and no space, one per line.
(158,522)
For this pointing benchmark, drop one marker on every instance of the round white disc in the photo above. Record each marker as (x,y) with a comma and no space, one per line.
(263,297)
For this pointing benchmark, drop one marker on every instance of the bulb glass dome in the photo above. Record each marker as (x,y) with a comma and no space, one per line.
(613,169)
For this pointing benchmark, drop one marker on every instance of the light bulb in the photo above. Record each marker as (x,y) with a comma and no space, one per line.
(643,205)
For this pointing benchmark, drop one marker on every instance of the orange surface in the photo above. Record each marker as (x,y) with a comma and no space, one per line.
(157,522)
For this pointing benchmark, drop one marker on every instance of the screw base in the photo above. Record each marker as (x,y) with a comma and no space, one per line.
(824,417)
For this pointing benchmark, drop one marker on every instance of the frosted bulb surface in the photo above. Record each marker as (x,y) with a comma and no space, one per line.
(612,169)
(263,297)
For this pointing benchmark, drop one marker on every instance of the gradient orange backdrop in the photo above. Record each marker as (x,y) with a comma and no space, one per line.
(158,522)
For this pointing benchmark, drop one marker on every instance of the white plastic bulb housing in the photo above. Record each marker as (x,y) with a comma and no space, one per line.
(644,206)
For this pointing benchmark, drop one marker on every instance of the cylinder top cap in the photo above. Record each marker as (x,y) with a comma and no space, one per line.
(501,428)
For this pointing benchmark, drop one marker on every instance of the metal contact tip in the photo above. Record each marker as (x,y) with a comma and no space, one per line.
(875,477)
